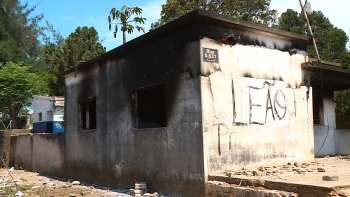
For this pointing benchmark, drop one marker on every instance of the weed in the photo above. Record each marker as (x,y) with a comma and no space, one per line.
(41,191)
(23,179)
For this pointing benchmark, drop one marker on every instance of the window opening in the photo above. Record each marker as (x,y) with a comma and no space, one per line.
(150,107)
(87,114)
(40,116)
(316,110)
(342,110)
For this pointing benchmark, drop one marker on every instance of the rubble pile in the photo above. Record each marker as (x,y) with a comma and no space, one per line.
(297,168)
(22,183)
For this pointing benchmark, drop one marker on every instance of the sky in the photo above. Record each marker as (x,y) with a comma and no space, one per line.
(67,15)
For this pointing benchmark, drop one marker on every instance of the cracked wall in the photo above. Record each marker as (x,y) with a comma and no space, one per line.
(255,107)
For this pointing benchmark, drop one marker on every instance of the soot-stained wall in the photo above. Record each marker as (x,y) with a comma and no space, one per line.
(226,105)
(170,158)
(255,107)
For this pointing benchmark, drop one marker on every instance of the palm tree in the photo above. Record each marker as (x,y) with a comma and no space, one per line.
(123,16)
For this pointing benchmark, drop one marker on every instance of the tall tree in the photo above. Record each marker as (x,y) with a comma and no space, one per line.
(292,21)
(19,32)
(331,41)
(123,16)
(81,45)
(249,10)
(17,86)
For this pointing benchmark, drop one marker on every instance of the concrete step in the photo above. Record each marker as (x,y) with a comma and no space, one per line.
(249,187)
(221,189)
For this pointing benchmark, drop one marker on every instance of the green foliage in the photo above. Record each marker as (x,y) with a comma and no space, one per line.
(249,10)
(21,121)
(292,21)
(331,44)
(123,16)
(19,32)
(17,86)
(342,102)
(62,54)
(9,192)
(331,41)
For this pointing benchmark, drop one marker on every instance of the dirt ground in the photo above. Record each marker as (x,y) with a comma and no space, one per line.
(328,173)
(36,185)
(309,174)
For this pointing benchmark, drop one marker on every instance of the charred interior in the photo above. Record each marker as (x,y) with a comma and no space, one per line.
(87,114)
(317,107)
(150,108)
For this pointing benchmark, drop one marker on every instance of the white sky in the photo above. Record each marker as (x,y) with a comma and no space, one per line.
(337,11)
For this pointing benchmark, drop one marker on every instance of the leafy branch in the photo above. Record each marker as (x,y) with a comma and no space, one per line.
(123,16)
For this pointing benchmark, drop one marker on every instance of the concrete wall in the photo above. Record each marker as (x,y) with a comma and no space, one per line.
(169,159)
(208,116)
(43,127)
(328,139)
(324,140)
(48,127)
(255,108)
(42,153)
(58,113)
(42,105)
(331,142)
(215,189)
(46,106)
(52,114)
(5,138)
(4,147)
(342,142)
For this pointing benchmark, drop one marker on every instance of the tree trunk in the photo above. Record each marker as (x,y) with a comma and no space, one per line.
(124,37)
(13,118)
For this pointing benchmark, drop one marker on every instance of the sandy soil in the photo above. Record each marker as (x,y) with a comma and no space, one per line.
(322,173)
(36,185)
(310,173)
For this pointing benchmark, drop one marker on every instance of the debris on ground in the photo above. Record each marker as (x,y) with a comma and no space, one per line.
(327,176)
(22,183)
(330,178)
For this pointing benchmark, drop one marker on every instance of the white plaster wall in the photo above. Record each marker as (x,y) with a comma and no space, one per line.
(58,113)
(324,140)
(277,127)
(325,134)
(45,106)
(329,112)
(74,77)
(42,105)
(331,142)
(78,76)
(342,142)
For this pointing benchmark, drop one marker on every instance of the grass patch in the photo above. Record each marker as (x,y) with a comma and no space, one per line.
(11,190)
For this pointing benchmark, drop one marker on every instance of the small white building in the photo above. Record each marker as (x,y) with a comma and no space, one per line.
(48,114)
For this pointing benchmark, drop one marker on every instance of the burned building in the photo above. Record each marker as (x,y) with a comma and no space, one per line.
(200,94)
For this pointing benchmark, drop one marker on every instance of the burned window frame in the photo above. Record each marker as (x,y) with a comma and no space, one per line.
(160,103)
(87,120)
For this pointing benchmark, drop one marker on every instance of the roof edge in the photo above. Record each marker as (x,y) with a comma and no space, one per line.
(195,15)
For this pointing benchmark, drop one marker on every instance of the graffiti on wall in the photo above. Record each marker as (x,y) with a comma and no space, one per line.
(255,102)
(263,102)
